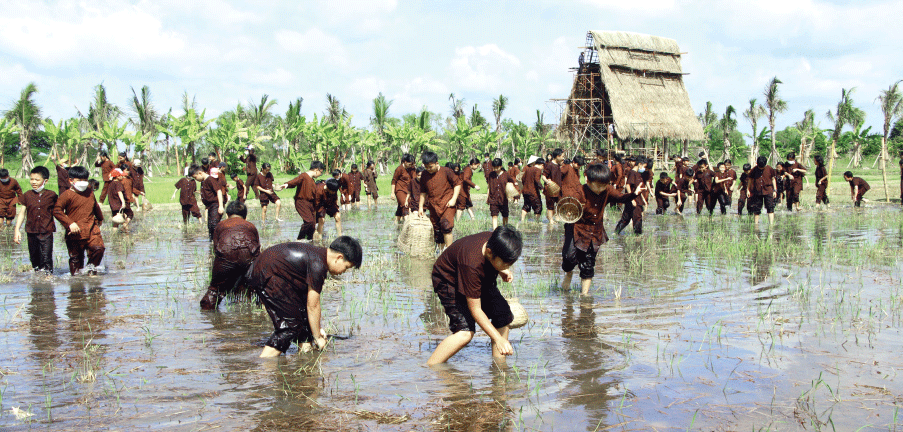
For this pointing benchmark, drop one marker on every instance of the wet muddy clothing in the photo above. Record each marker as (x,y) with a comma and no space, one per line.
(345,188)
(62,179)
(369,177)
(106,167)
(821,188)
(496,184)
(240,193)
(761,181)
(683,187)
(402,181)
(265,181)
(137,175)
(39,227)
(467,183)
(858,182)
(354,185)
(744,193)
(513,172)
(414,196)
(618,175)
(531,181)
(570,181)
(82,209)
(487,168)
(116,204)
(719,194)
(209,187)
(662,202)
(796,181)
(462,272)
(281,277)
(439,188)
(633,209)
(10,195)
(705,191)
(327,201)
(187,201)
(583,239)
(305,204)
(236,244)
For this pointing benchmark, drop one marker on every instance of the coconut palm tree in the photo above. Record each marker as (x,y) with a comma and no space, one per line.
(498,107)
(457,107)
(775,105)
(145,115)
(892,108)
(840,118)
(728,124)
(259,113)
(335,113)
(380,114)
(807,129)
(26,115)
(753,114)
(857,120)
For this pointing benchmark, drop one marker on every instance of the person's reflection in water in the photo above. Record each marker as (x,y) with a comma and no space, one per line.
(822,234)
(760,267)
(588,387)
(291,401)
(466,406)
(86,310)
(43,321)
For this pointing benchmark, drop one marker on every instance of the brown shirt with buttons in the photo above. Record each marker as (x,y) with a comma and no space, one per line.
(39,211)
(590,229)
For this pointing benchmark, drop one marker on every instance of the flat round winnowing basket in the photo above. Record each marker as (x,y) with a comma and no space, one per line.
(520,314)
(416,238)
(569,209)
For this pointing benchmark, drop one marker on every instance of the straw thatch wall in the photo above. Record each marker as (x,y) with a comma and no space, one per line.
(643,82)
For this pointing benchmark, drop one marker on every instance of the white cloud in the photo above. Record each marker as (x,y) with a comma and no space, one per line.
(275,77)
(314,42)
(485,68)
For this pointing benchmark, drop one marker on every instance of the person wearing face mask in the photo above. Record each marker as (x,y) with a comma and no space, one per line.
(79,212)
(10,194)
(37,209)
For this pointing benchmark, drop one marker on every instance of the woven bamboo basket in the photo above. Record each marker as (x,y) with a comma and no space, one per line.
(416,238)
(520,314)
(569,209)
(511,190)
(117,220)
(146,206)
(553,188)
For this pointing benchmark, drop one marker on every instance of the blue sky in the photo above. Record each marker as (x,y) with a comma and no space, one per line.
(416,53)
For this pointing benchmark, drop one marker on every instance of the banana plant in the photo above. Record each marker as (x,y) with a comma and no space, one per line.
(7,129)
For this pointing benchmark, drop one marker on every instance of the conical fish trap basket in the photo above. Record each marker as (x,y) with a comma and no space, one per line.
(520,314)
(416,238)
(569,210)
(553,189)
(511,191)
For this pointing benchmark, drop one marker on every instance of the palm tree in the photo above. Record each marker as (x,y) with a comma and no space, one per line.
(840,118)
(380,114)
(774,104)
(857,120)
(145,114)
(26,115)
(807,129)
(476,118)
(457,107)
(259,114)
(335,113)
(753,114)
(728,124)
(892,107)
(498,107)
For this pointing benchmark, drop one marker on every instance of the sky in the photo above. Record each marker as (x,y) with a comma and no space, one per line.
(417,53)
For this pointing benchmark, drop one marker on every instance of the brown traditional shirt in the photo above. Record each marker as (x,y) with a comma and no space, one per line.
(39,211)
(530,180)
(402,178)
(250,163)
(236,240)
(62,179)
(208,191)
(187,187)
(590,229)
(354,180)
(570,181)
(116,187)
(369,178)
(859,182)
(10,189)
(552,172)
(760,180)
(106,167)
(439,187)
(463,268)
(80,208)
(497,183)
(306,187)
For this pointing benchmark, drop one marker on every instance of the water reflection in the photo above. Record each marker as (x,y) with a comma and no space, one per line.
(470,407)
(43,323)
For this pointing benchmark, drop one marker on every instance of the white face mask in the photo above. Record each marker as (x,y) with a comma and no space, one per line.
(6,180)
(80,185)
(39,189)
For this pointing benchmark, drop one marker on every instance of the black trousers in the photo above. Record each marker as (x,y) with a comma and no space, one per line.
(572,256)
(40,250)
(213,218)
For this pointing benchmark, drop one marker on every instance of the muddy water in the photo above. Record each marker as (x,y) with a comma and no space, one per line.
(700,323)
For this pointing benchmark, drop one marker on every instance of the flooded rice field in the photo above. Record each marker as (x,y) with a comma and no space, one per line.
(700,323)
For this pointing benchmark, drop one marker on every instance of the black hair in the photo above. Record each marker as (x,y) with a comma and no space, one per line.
(212,154)
(43,171)
(237,207)
(5,172)
(747,167)
(510,164)
(728,161)
(821,161)
(579,160)
(506,243)
(474,161)
(497,162)
(353,166)
(449,164)
(77,172)
(791,155)
(598,174)
(689,172)
(848,174)
(685,159)
(123,154)
(419,169)
(233,175)
(95,185)
(456,166)
(349,248)
(317,165)
(720,164)
(332,184)
(369,164)
(407,158)
(702,162)
(205,161)
(222,165)
(429,157)
(557,152)
(335,172)
(486,155)
(701,154)
(103,153)
(761,161)
(600,152)
(663,176)
(517,161)
(265,165)
(192,170)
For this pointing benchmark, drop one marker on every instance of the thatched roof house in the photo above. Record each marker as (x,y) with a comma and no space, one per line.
(633,81)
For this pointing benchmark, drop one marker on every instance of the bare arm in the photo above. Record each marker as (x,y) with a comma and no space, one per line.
(454,198)
(422,201)
(476,310)
(20,217)
(313,317)
(219,199)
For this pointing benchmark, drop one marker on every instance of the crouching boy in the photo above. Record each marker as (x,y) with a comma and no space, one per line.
(37,209)
(288,278)
(464,278)
(79,212)
(236,244)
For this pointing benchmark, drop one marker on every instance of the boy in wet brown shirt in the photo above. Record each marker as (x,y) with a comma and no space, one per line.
(664,191)
(583,239)
(10,194)
(401,185)
(250,161)
(241,191)
(106,167)
(465,280)
(328,204)
(497,198)
(306,198)
(263,185)
(236,244)
(633,209)
(821,182)
(414,193)
(288,279)
(118,200)
(531,186)
(211,197)
(858,187)
(684,188)
(796,171)
(79,212)
(762,185)
(186,187)
(464,203)
(551,173)
(354,186)
(744,189)
(439,189)
(570,177)
(62,175)
(370,188)
(37,209)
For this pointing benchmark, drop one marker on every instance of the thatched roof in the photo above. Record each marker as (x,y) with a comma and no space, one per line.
(643,81)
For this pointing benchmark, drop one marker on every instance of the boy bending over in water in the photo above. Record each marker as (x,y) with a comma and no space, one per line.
(236,244)
(464,278)
(288,278)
